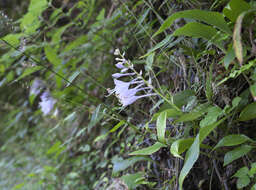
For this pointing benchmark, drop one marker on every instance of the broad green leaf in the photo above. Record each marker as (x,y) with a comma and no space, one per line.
(211,117)
(182,98)
(161,127)
(75,44)
(235,8)
(30,21)
(194,114)
(120,165)
(52,56)
(252,171)
(236,153)
(131,180)
(248,113)
(198,30)
(190,159)
(180,145)
(242,182)
(209,17)
(13,39)
(169,113)
(229,57)
(149,150)
(28,71)
(241,172)
(205,131)
(232,140)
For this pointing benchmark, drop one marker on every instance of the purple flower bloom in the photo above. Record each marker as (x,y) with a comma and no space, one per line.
(36,87)
(122,90)
(47,103)
(118,75)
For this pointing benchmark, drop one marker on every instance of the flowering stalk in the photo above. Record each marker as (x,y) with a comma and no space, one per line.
(127,96)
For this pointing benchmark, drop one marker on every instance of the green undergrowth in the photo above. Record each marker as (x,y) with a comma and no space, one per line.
(191,64)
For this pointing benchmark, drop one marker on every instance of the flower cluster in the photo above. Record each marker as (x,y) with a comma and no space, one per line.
(122,90)
(47,101)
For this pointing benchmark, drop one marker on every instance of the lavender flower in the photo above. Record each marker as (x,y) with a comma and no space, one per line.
(122,91)
(47,103)
(36,87)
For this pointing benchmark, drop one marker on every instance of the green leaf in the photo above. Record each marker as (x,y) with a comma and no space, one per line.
(159,45)
(52,56)
(194,114)
(241,172)
(131,179)
(235,8)
(13,39)
(28,71)
(253,91)
(161,127)
(120,165)
(75,44)
(179,146)
(193,152)
(236,153)
(211,117)
(252,171)
(242,182)
(190,159)
(30,22)
(149,150)
(209,17)
(198,30)
(182,98)
(169,113)
(96,117)
(232,140)
(253,187)
(73,77)
(117,126)
(229,57)
(248,113)
(206,130)
(149,61)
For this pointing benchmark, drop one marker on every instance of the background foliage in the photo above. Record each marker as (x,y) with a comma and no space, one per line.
(196,133)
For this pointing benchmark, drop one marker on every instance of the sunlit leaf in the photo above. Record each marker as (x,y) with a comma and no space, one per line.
(248,113)
(161,127)
(236,153)
(232,140)
(180,145)
(209,17)
(149,150)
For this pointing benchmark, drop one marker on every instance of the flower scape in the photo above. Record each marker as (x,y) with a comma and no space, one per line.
(122,90)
